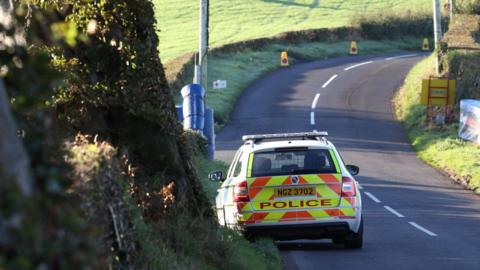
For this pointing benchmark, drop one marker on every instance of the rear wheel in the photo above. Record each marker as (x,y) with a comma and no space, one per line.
(355,240)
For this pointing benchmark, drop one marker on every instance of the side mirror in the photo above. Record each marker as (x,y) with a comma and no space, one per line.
(353,170)
(216,176)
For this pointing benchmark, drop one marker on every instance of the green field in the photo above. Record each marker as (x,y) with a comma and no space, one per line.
(236,20)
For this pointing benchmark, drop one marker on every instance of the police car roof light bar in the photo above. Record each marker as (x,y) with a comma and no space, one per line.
(313,135)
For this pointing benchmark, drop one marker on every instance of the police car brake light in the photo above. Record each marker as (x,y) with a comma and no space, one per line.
(348,187)
(240,192)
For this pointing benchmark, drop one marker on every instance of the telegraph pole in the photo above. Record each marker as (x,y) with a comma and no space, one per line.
(437,31)
(201,66)
(452,6)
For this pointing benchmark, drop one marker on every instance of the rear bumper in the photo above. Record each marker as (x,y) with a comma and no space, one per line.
(299,231)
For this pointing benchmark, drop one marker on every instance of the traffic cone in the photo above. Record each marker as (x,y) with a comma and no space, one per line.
(353,48)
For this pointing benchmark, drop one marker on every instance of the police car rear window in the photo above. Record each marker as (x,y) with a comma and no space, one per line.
(292,161)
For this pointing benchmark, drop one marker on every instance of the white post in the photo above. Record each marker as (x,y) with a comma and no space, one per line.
(201,68)
(197,77)
(437,30)
(452,6)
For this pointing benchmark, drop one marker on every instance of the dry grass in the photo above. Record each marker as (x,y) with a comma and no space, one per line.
(464,32)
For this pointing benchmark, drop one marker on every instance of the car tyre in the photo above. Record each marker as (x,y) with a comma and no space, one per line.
(355,240)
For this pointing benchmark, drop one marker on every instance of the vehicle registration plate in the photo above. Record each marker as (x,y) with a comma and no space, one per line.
(294,192)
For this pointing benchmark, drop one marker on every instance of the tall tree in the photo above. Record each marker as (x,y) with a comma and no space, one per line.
(14,162)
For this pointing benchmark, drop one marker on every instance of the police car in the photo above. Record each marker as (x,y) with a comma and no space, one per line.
(291,186)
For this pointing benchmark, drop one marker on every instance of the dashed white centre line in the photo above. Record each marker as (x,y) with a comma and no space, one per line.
(401,56)
(312,118)
(315,101)
(329,81)
(359,186)
(394,212)
(375,199)
(422,228)
(358,65)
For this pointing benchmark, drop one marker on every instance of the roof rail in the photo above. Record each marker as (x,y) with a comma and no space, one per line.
(309,135)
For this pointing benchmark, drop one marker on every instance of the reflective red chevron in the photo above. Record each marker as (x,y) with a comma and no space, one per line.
(289,216)
(259,217)
(257,185)
(350,200)
(333,212)
(304,215)
(260,182)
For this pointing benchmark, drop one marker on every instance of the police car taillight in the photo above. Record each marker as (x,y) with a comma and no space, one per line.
(240,192)
(348,187)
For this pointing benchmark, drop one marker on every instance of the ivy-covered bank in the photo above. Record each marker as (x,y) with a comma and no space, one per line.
(112,178)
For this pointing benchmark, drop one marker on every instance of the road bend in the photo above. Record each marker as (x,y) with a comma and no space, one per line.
(415,218)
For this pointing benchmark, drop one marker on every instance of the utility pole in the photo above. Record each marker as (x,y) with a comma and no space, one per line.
(437,31)
(452,6)
(201,66)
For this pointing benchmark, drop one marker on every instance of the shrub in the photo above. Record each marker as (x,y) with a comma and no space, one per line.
(389,25)
(468,6)
(463,65)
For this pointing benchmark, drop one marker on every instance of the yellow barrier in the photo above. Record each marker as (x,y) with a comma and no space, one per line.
(426,45)
(353,48)
(284,59)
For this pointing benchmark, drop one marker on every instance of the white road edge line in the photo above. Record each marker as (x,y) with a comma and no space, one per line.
(315,101)
(422,228)
(401,56)
(394,212)
(375,199)
(330,80)
(357,65)
(312,118)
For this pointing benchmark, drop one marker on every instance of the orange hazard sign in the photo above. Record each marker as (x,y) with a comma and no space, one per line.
(284,59)
(353,48)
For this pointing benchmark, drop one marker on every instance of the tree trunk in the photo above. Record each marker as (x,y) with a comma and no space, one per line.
(14,161)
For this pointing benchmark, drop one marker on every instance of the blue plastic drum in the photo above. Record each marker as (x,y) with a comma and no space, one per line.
(193,107)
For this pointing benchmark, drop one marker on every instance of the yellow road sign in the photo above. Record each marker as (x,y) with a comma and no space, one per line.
(353,48)
(284,59)
(438,92)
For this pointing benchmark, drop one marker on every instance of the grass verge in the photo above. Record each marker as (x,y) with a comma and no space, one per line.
(199,243)
(438,146)
(241,69)
(241,254)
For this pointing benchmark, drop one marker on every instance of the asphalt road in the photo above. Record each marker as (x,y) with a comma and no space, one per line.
(415,218)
